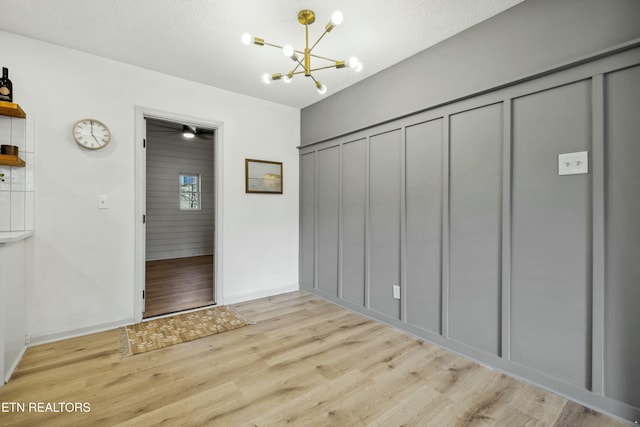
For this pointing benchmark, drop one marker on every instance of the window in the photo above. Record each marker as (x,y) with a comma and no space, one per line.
(189,192)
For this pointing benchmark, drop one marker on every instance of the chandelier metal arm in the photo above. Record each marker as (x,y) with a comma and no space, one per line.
(318,41)
(338,64)
(272,45)
(300,52)
(323,57)
(264,43)
(328,66)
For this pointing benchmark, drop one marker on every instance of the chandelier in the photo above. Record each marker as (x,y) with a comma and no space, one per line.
(302,58)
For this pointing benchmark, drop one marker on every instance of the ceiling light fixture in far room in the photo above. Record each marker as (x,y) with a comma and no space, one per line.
(188,132)
(302,58)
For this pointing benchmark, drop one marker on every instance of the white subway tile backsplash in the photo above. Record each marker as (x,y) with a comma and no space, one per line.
(5,211)
(18,178)
(18,133)
(5,130)
(30,144)
(17,210)
(30,171)
(17,191)
(30,210)
(5,178)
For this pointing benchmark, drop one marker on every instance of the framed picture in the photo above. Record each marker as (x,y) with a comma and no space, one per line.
(263,176)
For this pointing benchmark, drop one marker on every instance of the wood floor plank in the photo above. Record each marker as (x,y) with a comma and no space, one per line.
(306,362)
(178,284)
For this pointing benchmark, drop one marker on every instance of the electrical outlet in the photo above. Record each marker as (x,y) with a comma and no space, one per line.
(573,163)
(396,292)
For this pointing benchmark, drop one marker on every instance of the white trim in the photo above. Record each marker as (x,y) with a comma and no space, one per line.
(191,310)
(73,333)
(7,375)
(235,299)
(140,188)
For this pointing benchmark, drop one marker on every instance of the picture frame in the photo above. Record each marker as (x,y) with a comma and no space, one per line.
(263,176)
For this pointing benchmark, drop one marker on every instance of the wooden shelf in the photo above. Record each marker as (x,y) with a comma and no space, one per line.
(12,110)
(8,160)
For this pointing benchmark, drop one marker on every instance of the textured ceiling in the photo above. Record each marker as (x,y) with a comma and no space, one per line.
(199,40)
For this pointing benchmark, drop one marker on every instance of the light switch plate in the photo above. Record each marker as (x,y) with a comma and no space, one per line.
(396,291)
(103,202)
(573,163)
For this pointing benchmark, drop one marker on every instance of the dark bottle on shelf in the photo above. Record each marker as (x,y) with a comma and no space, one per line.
(6,87)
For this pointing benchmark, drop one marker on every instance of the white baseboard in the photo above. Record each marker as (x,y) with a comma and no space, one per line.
(234,299)
(43,339)
(14,365)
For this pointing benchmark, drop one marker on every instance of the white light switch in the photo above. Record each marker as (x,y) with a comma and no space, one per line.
(396,291)
(573,163)
(103,202)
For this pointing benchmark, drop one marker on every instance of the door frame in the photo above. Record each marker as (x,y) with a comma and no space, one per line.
(141,113)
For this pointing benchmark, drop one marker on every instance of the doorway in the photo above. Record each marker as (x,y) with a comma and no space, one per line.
(179,218)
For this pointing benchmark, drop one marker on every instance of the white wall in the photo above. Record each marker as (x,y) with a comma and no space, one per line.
(84,257)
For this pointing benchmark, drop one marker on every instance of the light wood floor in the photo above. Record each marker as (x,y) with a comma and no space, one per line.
(305,363)
(173,285)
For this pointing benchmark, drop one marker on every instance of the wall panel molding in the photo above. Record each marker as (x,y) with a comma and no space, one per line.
(598,233)
(507,175)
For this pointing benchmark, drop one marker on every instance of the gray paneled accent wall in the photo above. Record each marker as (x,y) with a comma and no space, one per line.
(475,206)
(622,278)
(171,232)
(384,214)
(328,219)
(551,234)
(423,225)
(307,220)
(497,256)
(354,202)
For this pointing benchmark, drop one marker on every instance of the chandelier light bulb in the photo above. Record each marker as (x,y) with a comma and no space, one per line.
(288,51)
(337,18)
(322,89)
(266,77)
(246,39)
(287,78)
(353,62)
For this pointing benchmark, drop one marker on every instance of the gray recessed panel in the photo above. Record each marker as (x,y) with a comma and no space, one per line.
(328,219)
(475,213)
(551,229)
(353,221)
(622,291)
(423,261)
(384,194)
(307,218)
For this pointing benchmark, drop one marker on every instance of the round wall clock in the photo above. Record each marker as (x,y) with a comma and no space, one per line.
(91,133)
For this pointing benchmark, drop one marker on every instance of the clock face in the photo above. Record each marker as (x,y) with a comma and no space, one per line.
(91,134)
